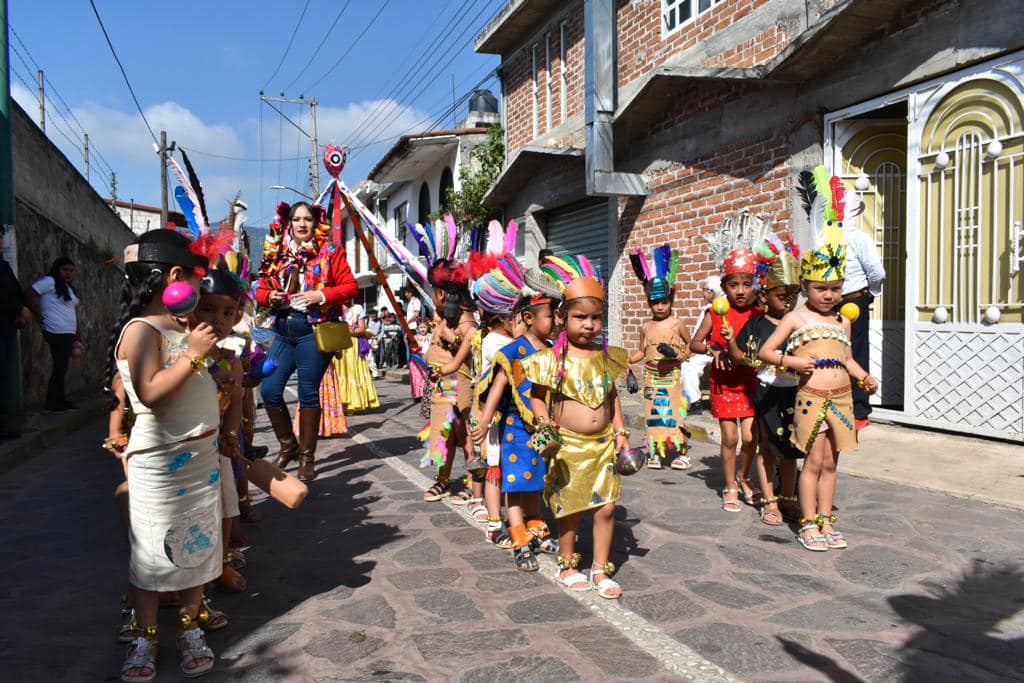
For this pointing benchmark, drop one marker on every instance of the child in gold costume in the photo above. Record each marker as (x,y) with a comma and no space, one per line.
(815,343)
(574,393)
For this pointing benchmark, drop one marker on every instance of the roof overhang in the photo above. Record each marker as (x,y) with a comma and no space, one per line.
(514,23)
(523,166)
(413,158)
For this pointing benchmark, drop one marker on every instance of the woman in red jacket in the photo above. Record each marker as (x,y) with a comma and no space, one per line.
(305,279)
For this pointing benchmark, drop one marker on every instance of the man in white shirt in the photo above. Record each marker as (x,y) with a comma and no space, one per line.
(373,326)
(864,277)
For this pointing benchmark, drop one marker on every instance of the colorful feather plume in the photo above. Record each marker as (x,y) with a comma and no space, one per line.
(192,208)
(193,179)
(498,280)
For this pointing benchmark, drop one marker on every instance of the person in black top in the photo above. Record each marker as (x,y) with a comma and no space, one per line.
(13,315)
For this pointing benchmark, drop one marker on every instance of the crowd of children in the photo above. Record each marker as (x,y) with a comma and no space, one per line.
(515,372)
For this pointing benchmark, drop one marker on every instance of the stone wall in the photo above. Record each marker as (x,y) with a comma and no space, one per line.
(57,213)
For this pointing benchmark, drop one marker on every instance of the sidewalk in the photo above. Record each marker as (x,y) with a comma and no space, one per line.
(41,429)
(976,469)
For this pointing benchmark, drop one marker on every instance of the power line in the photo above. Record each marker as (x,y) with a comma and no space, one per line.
(412,70)
(288,47)
(123,73)
(318,47)
(351,46)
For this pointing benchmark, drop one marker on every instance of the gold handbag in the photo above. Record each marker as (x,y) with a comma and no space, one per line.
(332,336)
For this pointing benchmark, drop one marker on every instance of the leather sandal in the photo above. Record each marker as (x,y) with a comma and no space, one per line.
(771,517)
(731,505)
(436,492)
(525,560)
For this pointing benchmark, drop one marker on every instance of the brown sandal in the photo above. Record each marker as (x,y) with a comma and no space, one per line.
(771,517)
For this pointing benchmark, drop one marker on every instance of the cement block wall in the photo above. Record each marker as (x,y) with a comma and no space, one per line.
(58,213)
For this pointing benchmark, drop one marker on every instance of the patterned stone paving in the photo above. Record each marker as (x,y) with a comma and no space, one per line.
(367,583)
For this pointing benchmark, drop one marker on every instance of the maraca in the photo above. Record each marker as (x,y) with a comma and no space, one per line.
(180,298)
(850,311)
(268,367)
(720,305)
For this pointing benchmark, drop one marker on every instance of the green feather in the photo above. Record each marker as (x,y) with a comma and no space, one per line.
(824,189)
(673,267)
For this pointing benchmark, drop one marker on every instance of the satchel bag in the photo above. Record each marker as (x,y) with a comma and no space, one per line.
(332,336)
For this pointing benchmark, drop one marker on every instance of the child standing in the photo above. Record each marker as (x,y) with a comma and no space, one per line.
(664,346)
(417,375)
(173,469)
(778,280)
(693,368)
(573,396)
(732,386)
(815,343)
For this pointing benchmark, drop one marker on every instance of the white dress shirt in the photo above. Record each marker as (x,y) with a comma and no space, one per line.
(863,266)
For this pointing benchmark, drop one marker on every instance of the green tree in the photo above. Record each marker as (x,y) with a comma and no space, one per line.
(477,177)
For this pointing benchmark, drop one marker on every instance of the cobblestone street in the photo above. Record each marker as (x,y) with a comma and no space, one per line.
(367,582)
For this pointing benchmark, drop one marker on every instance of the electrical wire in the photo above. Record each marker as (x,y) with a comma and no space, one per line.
(288,47)
(351,46)
(318,47)
(117,59)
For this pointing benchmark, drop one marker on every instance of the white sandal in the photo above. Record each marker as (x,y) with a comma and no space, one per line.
(477,510)
(577,577)
(604,585)
(192,646)
(141,655)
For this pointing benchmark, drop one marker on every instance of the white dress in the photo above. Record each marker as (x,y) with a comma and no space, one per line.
(174,479)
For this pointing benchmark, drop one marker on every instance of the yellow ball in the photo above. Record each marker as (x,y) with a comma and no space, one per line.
(850,311)
(720,305)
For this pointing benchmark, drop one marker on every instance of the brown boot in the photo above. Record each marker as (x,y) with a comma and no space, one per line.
(309,432)
(281,421)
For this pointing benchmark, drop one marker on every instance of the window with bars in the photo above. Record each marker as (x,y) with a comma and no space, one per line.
(675,14)
(401,216)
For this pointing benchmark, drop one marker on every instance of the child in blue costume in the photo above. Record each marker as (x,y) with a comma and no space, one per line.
(522,469)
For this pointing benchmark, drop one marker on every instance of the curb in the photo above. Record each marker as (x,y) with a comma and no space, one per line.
(51,432)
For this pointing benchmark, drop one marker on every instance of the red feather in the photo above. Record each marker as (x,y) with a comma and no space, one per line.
(213,245)
(791,246)
(838,197)
(460,274)
(480,263)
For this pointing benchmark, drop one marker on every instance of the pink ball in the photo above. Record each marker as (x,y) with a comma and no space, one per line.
(180,298)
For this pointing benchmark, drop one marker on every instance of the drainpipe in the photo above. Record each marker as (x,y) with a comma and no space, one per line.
(600,101)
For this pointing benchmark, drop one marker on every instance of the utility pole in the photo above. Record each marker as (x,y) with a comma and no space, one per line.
(42,105)
(113,190)
(314,162)
(314,159)
(163,150)
(85,153)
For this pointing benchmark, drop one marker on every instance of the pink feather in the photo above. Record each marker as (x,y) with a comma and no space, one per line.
(495,238)
(511,232)
(588,268)
(453,233)
(510,270)
(644,265)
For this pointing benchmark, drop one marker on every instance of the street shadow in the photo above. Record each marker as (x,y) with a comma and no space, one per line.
(958,626)
(818,662)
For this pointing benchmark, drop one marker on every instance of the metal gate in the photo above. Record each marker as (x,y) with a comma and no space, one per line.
(581,229)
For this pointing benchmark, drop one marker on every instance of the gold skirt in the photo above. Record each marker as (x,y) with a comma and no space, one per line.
(582,474)
(355,381)
(818,411)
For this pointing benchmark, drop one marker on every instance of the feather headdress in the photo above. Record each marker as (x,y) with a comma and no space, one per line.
(189,194)
(498,281)
(439,241)
(731,244)
(777,262)
(658,281)
(824,199)
(573,276)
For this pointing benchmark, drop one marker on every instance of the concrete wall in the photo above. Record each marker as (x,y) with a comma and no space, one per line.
(58,213)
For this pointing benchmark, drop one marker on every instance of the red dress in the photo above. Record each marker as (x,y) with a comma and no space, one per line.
(732,390)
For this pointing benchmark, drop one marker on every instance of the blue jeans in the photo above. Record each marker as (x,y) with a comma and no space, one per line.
(295,348)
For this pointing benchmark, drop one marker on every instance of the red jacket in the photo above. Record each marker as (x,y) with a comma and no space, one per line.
(339,285)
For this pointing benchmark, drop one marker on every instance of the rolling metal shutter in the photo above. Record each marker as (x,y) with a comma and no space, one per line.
(581,229)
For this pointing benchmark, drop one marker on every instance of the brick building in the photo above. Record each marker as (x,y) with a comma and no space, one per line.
(634,122)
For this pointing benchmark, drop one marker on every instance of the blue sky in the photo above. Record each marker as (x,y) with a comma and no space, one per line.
(197,68)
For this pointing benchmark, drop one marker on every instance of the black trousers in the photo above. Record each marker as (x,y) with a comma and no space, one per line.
(861,349)
(60,353)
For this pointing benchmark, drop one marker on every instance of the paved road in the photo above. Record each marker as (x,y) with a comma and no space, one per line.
(366,582)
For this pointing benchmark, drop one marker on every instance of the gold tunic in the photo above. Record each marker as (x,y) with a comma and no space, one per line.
(582,474)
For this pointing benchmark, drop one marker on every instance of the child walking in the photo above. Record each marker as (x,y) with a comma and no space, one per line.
(173,468)
(664,347)
(574,401)
(778,280)
(815,343)
(732,386)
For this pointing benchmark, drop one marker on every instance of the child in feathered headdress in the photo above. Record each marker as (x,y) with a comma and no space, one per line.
(664,346)
(506,391)
(730,385)
(574,402)
(449,354)
(778,284)
(814,342)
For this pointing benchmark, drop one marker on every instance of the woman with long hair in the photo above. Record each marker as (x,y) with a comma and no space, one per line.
(53,300)
(304,279)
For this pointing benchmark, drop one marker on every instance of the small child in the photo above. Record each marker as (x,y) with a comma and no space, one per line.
(694,366)
(778,278)
(218,307)
(815,343)
(448,356)
(175,507)
(523,470)
(417,375)
(664,346)
(732,386)
(574,401)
